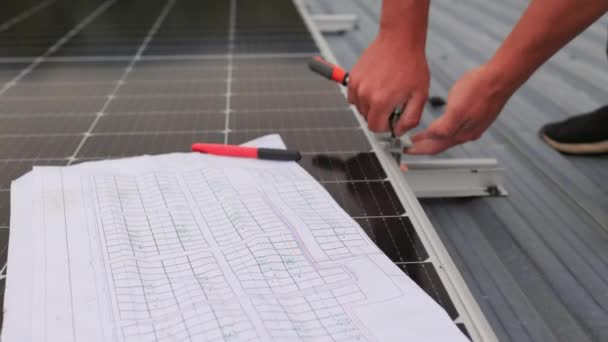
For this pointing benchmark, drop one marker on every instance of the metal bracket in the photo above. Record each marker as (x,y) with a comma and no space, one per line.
(455,178)
(335,23)
(445,178)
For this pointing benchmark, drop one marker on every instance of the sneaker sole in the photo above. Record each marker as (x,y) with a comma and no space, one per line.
(584,148)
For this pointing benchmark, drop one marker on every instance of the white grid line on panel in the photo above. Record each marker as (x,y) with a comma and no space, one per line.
(231,34)
(76,59)
(202,111)
(128,69)
(31,159)
(176,132)
(275,78)
(42,58)
(25,14)
(151,95)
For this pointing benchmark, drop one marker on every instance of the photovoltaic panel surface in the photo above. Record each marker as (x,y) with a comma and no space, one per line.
(123,78)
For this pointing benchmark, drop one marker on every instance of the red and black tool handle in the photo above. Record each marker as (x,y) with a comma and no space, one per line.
(246,152)
(328,70)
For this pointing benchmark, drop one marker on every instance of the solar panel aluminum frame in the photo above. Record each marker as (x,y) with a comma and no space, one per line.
(470,312)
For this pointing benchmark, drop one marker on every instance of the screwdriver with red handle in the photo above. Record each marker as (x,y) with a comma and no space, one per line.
(339,75)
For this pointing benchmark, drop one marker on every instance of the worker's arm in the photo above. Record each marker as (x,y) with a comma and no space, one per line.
(480,95)
(393,69)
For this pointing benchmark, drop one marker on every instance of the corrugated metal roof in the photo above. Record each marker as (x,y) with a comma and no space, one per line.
(537,260)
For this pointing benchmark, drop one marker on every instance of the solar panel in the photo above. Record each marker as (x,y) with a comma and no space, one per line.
(185,71)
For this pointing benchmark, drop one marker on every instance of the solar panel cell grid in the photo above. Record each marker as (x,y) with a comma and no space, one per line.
(160,122)
(59,106)
(425,275)
(102,146)
(297,119)
(280,86)
(171,104)
(200,46)
(80,72)
(336,167)
(34,147)
(287,101)
(213,69)
(193,87)
(273,68)
(395,236)
(52,90)
(177,96)
(9,70)
(360,199)
(44,124)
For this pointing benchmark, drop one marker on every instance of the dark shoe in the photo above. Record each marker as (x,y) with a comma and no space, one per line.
(581,134)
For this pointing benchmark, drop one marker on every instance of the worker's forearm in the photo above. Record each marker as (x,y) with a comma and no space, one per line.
(545,27)
(405,22)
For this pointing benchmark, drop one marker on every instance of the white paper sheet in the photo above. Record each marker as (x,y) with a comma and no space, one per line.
(191,247)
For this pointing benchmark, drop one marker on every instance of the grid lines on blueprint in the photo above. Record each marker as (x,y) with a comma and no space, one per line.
(239,246)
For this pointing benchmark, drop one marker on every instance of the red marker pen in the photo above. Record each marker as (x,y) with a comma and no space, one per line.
(246,152)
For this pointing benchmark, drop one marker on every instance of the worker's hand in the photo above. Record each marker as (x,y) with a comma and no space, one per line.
(474,103)
(388,75)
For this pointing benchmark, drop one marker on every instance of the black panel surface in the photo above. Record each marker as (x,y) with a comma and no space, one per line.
(272,26)
(11,9)
(193,27)
(3,245)
(36,33)
(361,199)
(343,166)
(396,237)
(5,202)
(425,275)
(117,31)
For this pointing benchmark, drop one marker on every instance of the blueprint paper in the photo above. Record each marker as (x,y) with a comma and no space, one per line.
(192,247)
